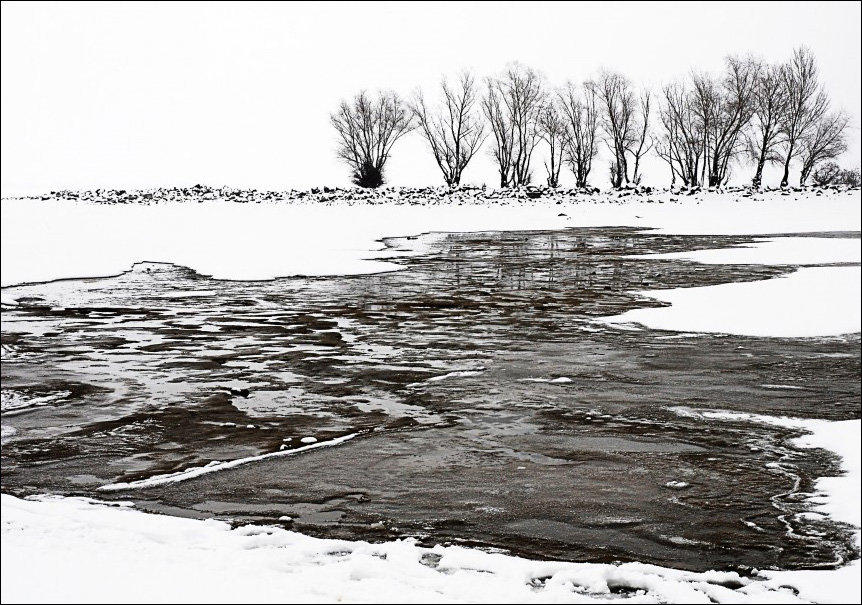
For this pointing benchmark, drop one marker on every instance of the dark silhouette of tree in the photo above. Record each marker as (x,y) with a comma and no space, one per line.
(625,122)
(552,130)
(367,129)
(831,173)
(724,107)
(682,143)
(770,104)
(824,141)
(581,128)
(639,146)
(455,130)
(851,177)
(806,104)
(512,105)
(617,101)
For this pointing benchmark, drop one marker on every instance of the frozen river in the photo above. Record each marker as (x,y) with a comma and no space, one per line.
(485,402)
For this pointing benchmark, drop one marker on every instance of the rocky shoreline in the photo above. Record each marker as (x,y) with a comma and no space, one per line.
(403,195)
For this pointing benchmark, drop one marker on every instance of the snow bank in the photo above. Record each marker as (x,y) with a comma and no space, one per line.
(813,301)
(49,239)
(777,251)
(75,550)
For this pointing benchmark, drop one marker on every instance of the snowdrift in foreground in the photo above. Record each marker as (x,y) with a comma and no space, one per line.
(813,301)
(51,239)
(74,550)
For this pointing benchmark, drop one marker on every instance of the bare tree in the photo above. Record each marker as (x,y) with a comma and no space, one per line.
(617,101)
(552,130)
(454,131)
(806,104)
(367,129)
(512,104)
(639,146)
(682,144)
(824,141)
(769,105)
(724,107)
(502,130)
(851,177)
(581,119)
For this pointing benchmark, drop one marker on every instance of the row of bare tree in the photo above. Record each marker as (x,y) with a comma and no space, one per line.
(763,112)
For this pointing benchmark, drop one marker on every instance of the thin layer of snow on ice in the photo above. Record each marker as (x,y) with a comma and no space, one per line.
(14,401)
(838,497)
(457,374)
(50,239)
(776,251)
(812,301)
(95,553)
(559,380)
(6,433)
(779,387)
(216,466)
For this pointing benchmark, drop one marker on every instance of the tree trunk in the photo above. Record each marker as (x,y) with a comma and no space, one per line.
(758,176)
(803,176)
(786,177)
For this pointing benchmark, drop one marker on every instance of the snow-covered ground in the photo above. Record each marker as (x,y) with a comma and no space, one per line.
(51,239)
(75,550)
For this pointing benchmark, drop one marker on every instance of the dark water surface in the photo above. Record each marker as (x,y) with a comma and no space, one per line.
(445,370)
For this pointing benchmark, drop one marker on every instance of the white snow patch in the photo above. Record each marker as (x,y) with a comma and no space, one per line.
(309,440)
(777,251)
(14,401)
(813,301)
(187,294)
(458,374)
(96,552)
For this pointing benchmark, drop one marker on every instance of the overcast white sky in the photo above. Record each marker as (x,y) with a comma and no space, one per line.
(163,94)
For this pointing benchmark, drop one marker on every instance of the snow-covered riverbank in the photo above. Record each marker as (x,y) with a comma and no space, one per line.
(58,238)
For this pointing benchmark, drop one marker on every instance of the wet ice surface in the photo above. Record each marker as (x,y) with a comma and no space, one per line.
(491,408)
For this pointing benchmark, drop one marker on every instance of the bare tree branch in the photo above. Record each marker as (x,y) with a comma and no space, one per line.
(582,124)
(806,104)
(512,105)
(454,131)
(769,105)
(552,130)
(824,141)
